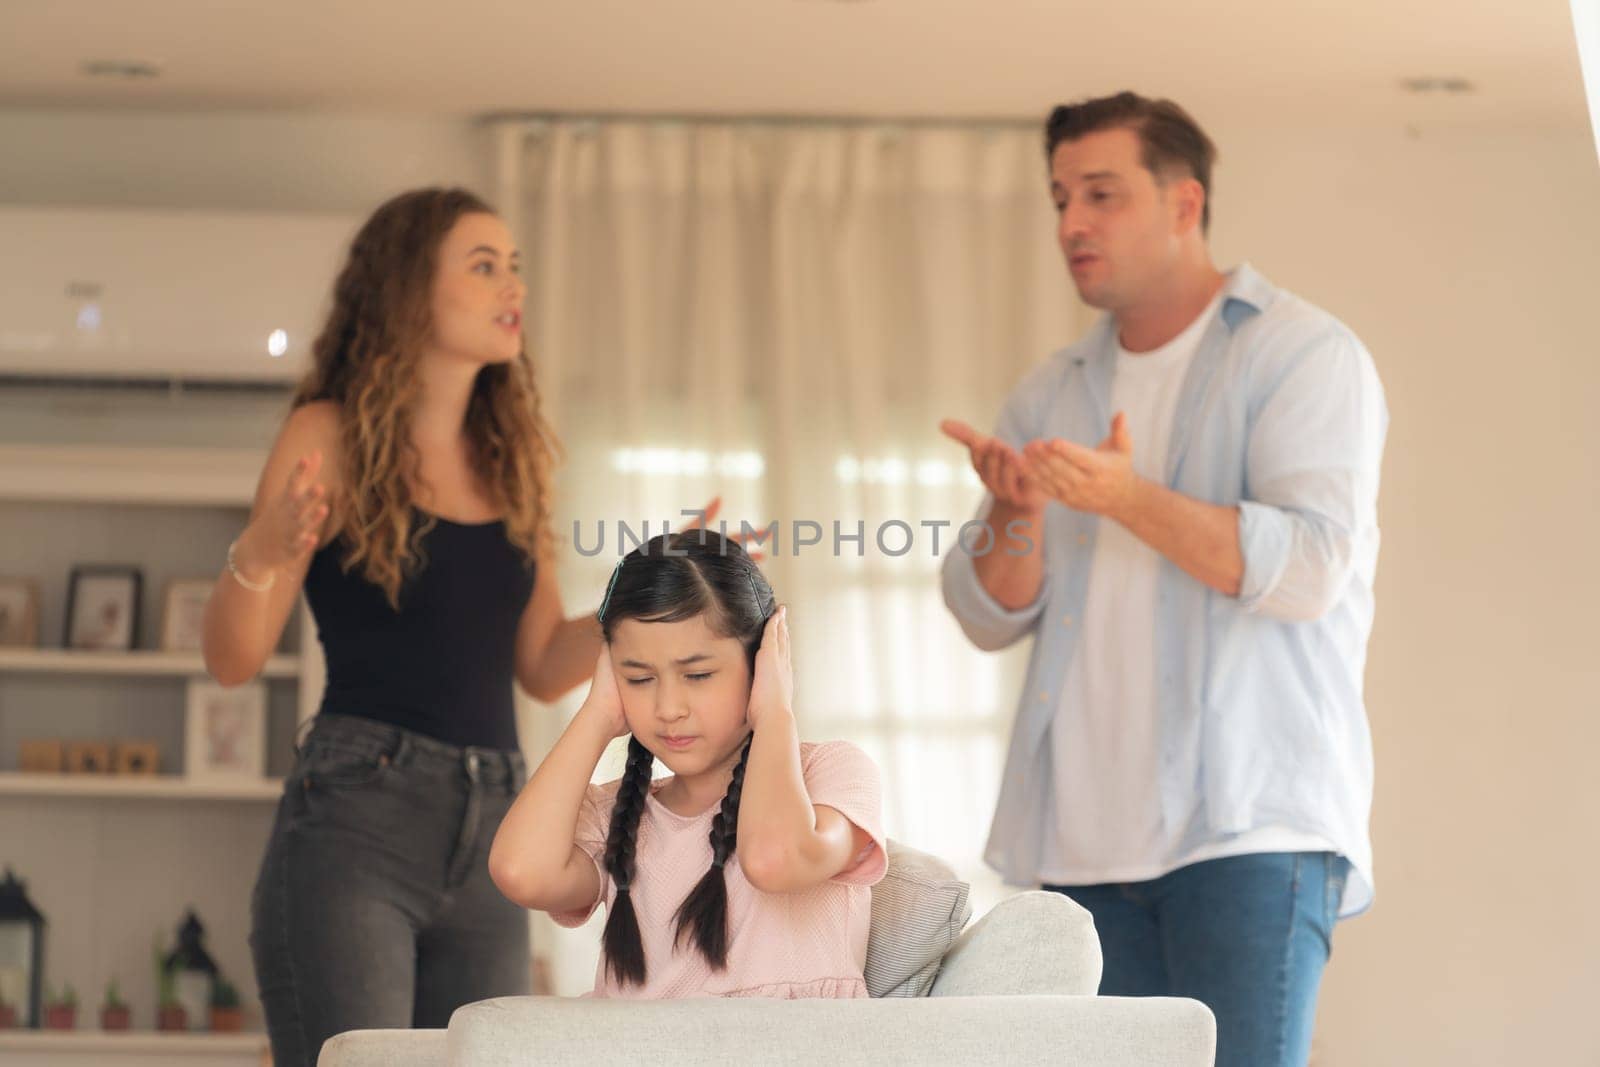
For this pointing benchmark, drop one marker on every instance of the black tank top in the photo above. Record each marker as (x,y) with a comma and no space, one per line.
(443,664)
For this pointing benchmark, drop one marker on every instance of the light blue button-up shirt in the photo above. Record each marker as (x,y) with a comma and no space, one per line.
(1259,699)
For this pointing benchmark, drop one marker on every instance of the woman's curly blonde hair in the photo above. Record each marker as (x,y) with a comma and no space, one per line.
(366,360)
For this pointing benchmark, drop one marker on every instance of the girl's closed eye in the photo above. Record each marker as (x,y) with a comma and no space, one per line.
(690,677)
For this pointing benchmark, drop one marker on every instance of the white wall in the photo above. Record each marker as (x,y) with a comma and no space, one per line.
(1469,262)
(272,161)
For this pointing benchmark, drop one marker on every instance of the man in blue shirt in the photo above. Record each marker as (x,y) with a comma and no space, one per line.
(1182,512)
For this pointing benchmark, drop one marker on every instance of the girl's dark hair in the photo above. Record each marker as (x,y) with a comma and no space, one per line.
(670,578)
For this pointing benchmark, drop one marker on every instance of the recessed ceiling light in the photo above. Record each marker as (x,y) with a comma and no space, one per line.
(1438,85)
(127,69)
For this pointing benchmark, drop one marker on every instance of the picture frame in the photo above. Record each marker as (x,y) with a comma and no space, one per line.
(225,731)
(19,613)
(183,613)
(103,603)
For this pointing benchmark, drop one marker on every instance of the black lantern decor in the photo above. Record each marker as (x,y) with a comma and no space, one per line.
(21,950)
(193,970)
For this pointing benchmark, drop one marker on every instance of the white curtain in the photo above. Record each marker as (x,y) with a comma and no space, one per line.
(781,313)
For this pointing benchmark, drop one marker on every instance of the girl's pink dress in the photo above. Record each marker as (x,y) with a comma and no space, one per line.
(811,943)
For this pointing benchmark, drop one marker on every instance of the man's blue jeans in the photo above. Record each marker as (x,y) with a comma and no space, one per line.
(1248,936)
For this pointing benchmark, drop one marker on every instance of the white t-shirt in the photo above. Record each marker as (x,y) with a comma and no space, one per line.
(1106,739)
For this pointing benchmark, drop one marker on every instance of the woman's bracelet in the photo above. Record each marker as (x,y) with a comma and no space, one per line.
(254,587)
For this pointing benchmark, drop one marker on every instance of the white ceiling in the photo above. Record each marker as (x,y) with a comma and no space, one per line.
(936,58)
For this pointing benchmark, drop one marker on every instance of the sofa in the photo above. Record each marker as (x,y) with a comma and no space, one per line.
(1016,987)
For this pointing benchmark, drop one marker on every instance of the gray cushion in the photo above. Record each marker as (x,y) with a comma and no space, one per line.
(918,910)
(1032,943)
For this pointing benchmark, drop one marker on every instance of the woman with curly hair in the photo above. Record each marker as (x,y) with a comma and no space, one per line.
(408,495)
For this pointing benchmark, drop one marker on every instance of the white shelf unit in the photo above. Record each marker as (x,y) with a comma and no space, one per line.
(132,1048)
(130,664)
(174,1044)
(151,475)
(135,787)
(75,838)
(148,476)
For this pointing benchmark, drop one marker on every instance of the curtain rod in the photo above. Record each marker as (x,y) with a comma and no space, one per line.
(532,118)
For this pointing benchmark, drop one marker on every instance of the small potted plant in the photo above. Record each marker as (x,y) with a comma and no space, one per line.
(226,1014)
(114,1013)
(8,1013)
(169,1013)
(61,1010)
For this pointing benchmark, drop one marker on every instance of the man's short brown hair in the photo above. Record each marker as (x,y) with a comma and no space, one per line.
(1173,143)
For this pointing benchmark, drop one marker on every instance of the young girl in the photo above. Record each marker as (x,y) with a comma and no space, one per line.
(746,873)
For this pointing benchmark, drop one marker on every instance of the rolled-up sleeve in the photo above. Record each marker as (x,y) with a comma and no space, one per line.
(1311,479)
(987,624)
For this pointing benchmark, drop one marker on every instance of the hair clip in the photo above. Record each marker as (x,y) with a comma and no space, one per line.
(601,614)
(755,592)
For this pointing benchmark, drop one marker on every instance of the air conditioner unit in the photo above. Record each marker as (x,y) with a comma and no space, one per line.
(128,295)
